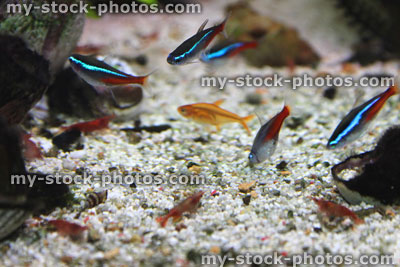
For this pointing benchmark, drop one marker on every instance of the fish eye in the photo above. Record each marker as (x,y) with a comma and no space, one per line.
(253,158)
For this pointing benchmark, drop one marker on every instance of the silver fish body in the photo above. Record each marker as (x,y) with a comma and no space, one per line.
(266,140)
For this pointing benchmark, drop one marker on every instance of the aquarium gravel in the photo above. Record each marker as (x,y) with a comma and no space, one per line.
(258,210)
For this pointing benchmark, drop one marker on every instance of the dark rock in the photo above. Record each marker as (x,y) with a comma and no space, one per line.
(201,139)
(377,22)
(34,48)
(11,160)
(330,93)
(317,230)
(279,45)
(294,122)
(194,256)
(45,133)
(299,141)
(141,60)
(151,129)
(290,214)
(191,163)
(17,199)
(51,35)
(275,192)
(24,78)
(71,95)
(66,139)
(254,99)
(282,165)
(377,173)
(246,199)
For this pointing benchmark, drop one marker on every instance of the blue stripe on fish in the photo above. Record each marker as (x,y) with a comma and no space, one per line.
(220,53)
(94,68)
(190,51)
(353,124)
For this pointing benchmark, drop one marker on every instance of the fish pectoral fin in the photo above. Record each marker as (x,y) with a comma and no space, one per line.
(225,34)
(219,102)
(218,127)
(207,118)
(202,26)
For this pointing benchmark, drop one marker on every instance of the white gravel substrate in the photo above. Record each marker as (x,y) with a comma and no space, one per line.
(123,230)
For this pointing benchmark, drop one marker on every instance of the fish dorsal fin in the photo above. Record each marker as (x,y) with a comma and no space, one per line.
(285,105)
(359,94)
(225,34)
(202,26)
(105,58)
(225,20)
(261,120)
(219,102)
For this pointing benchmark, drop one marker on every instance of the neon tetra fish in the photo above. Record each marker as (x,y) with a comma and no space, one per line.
(102,76)
(188,205)
(98,74)
(264,144)
(222,51)
(353,124)
(211,113)
(192,47)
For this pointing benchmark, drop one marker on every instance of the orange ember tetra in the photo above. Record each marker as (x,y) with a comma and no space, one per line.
(187,205)
(211,113)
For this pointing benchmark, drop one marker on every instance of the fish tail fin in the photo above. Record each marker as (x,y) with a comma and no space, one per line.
(145,82)
(252,44)
(246,119)
(146,77)
(285,110)
(245,46)
(392,90)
